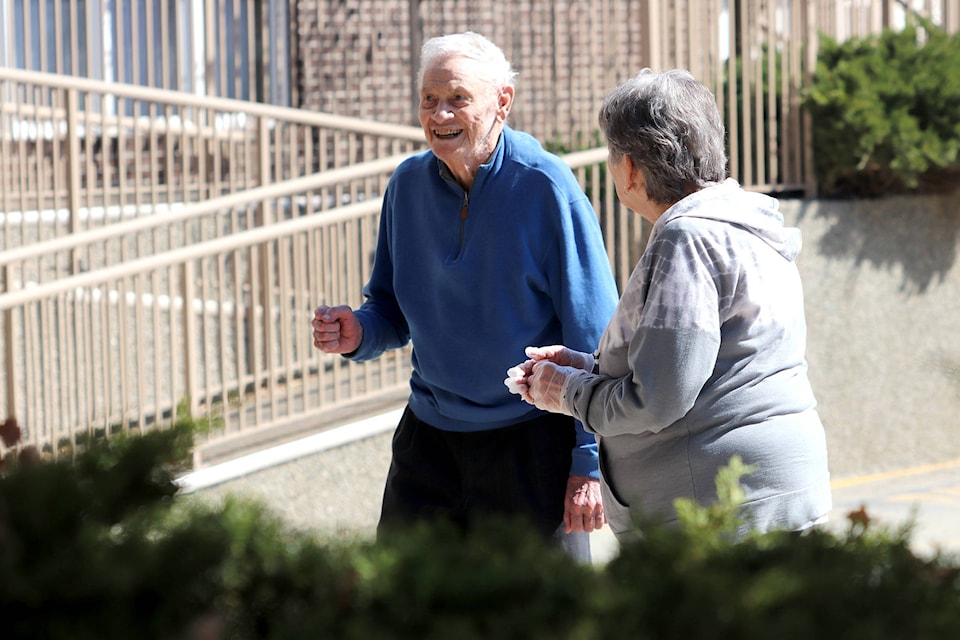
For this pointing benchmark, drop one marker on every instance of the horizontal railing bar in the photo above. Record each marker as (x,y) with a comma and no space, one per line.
(390,395)
(111,124)
(587,157)
(188,211)
(238,240)
(191,210)
(207,103)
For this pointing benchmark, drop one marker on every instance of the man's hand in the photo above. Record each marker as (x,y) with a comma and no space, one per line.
(583,506)
(336,329)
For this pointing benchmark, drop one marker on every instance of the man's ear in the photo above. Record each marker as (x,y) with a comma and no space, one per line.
(504,102)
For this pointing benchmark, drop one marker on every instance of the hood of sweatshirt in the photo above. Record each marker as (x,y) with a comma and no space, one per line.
(728,202)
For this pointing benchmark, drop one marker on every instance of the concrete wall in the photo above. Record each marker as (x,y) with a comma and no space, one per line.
(882,287)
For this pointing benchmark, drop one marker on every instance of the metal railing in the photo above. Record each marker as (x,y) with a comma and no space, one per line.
(219,329)
(77,154)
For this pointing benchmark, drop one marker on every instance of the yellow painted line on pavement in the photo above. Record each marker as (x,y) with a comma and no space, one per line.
(892,475)
(926,498)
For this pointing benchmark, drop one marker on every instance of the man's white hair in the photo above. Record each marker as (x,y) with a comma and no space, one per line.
(474,46)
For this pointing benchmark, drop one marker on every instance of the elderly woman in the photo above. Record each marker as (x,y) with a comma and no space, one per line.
(704,357)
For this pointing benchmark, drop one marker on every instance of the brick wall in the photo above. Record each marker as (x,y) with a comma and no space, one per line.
(359,57)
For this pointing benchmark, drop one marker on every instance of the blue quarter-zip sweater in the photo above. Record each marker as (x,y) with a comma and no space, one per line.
(474,278)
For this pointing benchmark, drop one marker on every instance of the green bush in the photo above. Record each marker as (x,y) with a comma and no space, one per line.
(886,113)
(858,586)
(101,548)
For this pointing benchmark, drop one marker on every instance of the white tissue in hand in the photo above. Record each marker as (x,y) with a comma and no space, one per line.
(515,373)
(513,381)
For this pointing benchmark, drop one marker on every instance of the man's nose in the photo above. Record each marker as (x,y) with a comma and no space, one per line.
(442,112)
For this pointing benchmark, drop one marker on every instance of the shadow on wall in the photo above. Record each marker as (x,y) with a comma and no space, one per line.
(883,233)
(882,297)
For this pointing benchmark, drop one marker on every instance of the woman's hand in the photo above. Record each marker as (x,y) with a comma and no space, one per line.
(561,355)
(517,378)
(543,379)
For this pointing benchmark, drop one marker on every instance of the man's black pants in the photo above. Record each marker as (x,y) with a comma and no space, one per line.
(517,471)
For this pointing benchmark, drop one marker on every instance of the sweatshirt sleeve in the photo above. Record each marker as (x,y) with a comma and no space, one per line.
(673,351)
(586,297)
(586,455)
(384,325)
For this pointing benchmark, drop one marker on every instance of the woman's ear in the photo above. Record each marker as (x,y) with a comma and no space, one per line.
(634,175)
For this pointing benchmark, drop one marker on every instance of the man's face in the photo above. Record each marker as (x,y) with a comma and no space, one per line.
(461,112)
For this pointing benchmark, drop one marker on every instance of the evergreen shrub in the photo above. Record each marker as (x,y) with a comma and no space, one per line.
(100,546)
(885,113)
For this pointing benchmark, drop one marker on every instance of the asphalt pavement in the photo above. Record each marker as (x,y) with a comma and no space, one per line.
(927,496)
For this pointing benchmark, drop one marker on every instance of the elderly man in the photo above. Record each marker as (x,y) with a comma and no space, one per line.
(487,244)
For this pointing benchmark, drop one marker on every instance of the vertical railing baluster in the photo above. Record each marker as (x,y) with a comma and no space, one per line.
(190,337)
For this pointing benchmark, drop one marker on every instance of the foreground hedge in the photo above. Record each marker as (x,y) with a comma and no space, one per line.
(103,548)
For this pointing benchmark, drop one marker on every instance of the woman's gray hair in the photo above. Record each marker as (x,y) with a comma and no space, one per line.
(669,125)
(497,68)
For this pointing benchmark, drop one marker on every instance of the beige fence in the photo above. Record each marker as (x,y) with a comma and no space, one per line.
(94,189)
(219,329)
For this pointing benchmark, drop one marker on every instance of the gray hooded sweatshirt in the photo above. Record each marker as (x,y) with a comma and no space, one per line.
(704,359)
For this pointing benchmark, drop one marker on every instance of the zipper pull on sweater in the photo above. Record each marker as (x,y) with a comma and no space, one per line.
(463,220)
